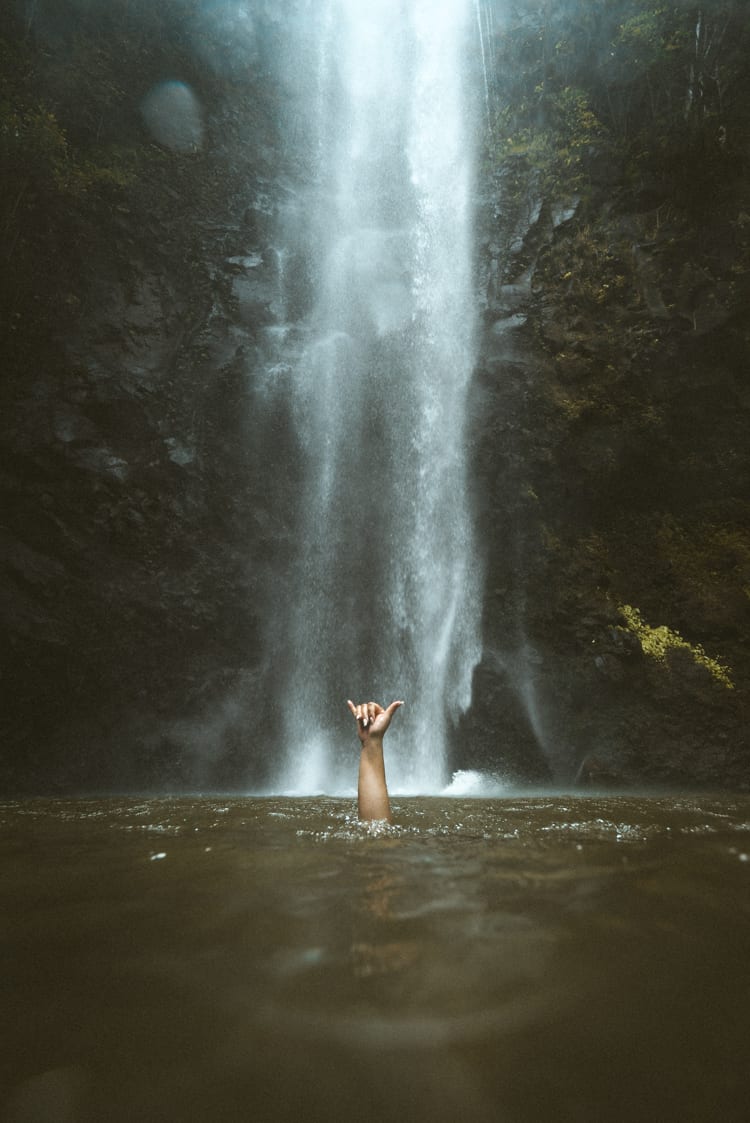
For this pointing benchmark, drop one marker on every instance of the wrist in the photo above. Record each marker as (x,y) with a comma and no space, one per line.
(374,741)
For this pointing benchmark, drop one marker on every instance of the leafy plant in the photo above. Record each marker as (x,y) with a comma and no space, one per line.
(658,642)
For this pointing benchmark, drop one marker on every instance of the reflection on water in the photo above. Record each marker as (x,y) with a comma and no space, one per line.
(514,959)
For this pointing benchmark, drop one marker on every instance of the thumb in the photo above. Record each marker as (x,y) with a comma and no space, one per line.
(390,710)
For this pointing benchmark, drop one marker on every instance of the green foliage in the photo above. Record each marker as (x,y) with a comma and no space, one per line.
(554,149)
(70,125)
(38,163)
(658,91)
(709,564)
(595,271)
(33,147)
(658,642)
(639,49)
(73,150)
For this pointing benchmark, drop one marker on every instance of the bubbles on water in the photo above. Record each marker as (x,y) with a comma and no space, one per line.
(602,830)
(353,829)
(174,116)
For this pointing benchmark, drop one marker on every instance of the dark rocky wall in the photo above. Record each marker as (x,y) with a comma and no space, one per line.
(613,409)
(612,465)
(133,523)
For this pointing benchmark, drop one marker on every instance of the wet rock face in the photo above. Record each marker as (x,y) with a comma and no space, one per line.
(126,552)
(597,458)
(133,531)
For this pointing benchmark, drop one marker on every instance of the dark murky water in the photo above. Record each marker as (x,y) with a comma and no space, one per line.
(516,959)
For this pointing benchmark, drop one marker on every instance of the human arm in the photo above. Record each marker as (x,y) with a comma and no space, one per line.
(372,792)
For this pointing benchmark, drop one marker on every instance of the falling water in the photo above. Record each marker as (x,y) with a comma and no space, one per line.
(483,32)
(382,600)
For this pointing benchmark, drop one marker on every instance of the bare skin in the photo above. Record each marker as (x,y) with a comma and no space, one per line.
(372,794)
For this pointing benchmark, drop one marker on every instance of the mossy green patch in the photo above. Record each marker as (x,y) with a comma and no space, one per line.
(658,642)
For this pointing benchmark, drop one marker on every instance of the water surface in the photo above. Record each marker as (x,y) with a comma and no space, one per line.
(510,959)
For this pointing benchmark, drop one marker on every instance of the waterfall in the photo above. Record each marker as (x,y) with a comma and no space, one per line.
(382,596)
(483,32)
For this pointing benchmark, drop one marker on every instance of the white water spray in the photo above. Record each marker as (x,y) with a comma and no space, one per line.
(382,600)
(484,33)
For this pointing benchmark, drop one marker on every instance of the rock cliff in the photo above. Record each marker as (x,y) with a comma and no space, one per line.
(142,496)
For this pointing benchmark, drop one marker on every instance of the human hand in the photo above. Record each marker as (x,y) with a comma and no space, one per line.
(372,719)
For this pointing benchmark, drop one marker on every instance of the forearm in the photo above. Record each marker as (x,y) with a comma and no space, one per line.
(373,802)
